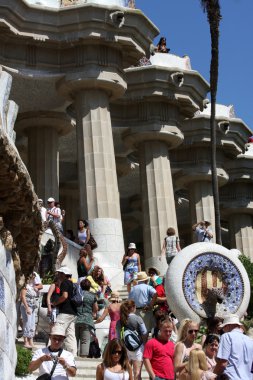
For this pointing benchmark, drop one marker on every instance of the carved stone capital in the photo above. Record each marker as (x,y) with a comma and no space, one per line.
(59,121)
(110,82)
(168,134)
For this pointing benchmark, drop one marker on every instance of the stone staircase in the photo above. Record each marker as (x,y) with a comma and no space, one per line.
(86,368)
(123,292)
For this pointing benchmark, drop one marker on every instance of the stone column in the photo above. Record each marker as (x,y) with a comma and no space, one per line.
(43,130)
(99,80)
(69,197)
(98,187)
(240,233)
(201,203)
(195,175)
(158,204)
(43,161)
(237,205)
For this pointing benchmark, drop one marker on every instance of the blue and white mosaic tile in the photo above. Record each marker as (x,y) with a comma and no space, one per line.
(231,277)
(2,294)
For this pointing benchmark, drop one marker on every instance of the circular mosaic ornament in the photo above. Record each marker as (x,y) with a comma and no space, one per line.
(199,269)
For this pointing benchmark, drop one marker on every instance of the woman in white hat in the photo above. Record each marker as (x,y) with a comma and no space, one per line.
(114,312)
(131,265)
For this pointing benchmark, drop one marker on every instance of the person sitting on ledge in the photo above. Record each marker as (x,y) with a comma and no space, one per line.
(161,46)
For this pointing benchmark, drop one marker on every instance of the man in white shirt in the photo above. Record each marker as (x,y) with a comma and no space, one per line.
(235,354)
(54,213)
(44,358)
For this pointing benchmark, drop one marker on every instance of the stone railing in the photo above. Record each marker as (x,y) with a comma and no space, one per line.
(56,4)
(171,60)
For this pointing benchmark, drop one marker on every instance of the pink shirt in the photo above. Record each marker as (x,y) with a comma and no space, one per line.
(161,356)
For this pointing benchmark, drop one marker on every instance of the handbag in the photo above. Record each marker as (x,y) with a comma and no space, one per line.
(45,376)
(92,242)
(94,351)
(125,265)
(48,376)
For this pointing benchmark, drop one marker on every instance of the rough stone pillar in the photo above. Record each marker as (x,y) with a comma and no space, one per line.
(43,130)
(98,187)
(158,205)
(241,233)
(201,203)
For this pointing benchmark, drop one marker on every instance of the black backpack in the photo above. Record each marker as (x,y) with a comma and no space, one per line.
(76,298)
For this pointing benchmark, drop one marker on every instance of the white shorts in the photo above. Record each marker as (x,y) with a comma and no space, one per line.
(136,355)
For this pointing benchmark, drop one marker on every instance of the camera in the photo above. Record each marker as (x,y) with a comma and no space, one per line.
(54,358)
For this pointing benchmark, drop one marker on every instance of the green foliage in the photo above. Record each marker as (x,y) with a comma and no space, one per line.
(48,278)
(24,357)
(248,265)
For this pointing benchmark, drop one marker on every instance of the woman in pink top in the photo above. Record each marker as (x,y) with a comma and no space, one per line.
(114,312)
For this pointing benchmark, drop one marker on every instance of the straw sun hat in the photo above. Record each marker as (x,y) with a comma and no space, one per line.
(115,297)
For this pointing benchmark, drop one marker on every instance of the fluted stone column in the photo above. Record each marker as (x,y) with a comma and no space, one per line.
(43,130)
(201,202)
(69,196)
(237,204)
(158,205)
(43,161)
(240,233)
(98,187)
(99,195)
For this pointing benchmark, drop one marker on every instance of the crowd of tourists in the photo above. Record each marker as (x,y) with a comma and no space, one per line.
(142,331)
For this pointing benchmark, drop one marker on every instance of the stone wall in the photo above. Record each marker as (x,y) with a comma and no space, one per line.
(7,315)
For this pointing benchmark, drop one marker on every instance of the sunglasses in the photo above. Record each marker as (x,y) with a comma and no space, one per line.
(193,331)
(117,352)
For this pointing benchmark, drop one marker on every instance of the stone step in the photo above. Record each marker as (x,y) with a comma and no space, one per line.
(86,369)
(123,292)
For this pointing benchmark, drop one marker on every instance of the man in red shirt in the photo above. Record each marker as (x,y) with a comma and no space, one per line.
(159,354)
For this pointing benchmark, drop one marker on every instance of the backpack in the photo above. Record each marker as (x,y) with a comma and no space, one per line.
(76,298)
(131,339)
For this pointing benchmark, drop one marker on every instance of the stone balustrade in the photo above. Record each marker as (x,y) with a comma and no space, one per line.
(56,4)
(171,60)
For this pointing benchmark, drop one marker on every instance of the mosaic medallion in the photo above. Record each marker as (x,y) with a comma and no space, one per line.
(212,271)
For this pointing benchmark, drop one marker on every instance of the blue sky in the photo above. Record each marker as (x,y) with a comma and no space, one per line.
(185,26)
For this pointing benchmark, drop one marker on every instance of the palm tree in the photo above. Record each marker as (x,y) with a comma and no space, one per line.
(212,8)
